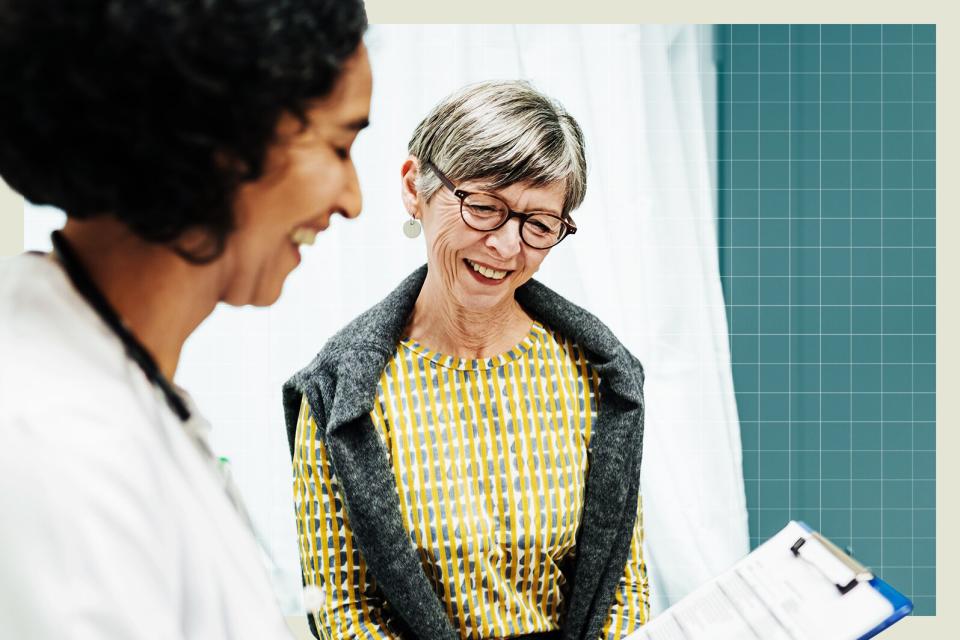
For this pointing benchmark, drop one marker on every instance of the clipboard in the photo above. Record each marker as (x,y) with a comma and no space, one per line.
(795,586)
(855,574)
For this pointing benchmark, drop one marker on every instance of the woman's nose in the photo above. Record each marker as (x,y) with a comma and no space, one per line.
(351,199)
(506,240)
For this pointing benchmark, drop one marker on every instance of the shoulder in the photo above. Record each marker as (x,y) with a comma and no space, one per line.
(340,381)
(56,350)
(68,402)
(576,324)
(556,311)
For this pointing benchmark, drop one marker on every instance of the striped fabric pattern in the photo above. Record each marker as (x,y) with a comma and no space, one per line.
(490,460)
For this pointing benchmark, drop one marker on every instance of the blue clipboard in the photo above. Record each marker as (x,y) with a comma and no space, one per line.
(902,606)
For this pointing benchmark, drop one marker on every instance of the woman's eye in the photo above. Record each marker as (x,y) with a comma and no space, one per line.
(540,228)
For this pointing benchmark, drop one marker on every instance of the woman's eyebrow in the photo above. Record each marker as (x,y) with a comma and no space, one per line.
(489,190)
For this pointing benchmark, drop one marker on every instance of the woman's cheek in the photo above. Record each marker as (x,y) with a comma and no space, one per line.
(444,250)
(533,263)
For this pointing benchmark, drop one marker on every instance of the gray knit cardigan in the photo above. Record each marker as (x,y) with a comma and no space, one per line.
(341,388)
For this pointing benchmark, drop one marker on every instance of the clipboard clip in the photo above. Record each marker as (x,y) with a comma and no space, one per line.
(842,570)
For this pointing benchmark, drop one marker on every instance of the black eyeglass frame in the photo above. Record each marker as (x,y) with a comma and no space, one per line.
(568,228)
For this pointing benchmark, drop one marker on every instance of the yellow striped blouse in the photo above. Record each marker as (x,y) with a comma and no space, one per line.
(490,460)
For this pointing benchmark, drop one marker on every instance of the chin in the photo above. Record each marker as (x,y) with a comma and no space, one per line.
(482,302)
(259,296)
(264,302)
(266,298)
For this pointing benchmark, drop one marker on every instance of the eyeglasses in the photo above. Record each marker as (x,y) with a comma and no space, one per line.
(487,212)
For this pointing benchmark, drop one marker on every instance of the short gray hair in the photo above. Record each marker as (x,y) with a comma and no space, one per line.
(505,132)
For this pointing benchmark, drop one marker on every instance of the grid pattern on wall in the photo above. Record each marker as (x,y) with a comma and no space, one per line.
(827,249)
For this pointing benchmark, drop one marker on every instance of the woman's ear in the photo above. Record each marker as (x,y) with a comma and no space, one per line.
(409,193)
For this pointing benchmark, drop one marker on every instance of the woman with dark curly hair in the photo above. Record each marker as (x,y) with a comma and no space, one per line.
(194,146)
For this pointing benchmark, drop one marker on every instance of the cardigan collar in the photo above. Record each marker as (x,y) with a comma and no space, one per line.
(372,339)
(341,387)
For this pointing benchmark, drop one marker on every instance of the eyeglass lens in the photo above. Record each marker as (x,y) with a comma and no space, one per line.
(484,213)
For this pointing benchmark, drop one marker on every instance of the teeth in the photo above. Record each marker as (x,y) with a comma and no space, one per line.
(303,235)
(490,273)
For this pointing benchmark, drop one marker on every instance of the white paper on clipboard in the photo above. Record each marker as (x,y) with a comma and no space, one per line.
(776,593)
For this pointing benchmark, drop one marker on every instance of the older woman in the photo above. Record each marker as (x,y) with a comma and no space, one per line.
(467,452)
(194,146)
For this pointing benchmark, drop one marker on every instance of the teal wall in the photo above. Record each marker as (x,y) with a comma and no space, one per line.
(827,253)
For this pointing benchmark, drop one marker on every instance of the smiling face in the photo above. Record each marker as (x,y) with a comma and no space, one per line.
(308,176)
(481,270)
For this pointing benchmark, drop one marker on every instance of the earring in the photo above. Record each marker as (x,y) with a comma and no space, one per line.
(412,228)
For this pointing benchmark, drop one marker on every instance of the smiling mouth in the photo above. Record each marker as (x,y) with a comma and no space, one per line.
(303,235)
(486,272)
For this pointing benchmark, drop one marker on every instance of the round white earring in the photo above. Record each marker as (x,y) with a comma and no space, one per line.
(412,228)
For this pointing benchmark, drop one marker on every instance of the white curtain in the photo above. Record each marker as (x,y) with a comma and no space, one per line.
(645,261)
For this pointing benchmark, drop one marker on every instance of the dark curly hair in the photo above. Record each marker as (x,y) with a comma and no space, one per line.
(155,111)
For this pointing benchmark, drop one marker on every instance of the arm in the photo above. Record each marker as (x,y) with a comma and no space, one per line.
(350,605)
(631,604)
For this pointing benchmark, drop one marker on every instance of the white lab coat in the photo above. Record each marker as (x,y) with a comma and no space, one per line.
(112,524)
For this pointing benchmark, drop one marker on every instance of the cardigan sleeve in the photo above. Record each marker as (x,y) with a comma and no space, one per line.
(631,604)
(349,603)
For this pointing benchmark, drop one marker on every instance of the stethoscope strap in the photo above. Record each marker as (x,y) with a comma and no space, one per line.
(135,350)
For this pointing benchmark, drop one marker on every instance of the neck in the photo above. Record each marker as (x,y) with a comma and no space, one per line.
(160,297)
(445,326)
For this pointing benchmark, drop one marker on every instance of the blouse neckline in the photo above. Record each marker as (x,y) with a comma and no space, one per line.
(472,364)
